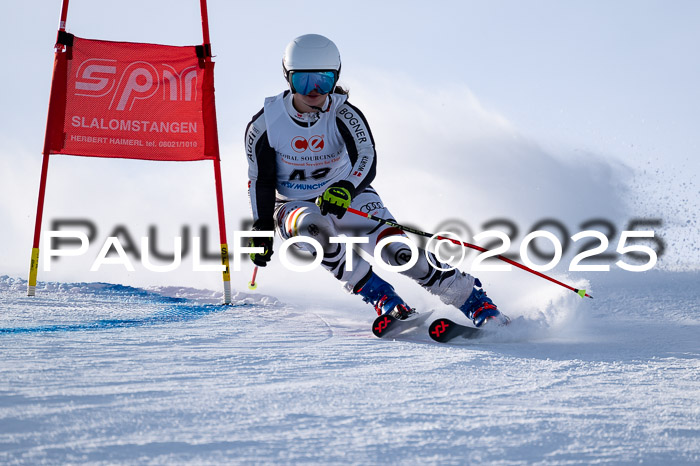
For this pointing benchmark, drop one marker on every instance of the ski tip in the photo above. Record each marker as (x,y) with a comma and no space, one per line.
(381,325)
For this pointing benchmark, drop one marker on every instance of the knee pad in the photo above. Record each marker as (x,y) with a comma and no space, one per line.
(313,224)
(309,222)
(396,253)
(302,219)
(451,286)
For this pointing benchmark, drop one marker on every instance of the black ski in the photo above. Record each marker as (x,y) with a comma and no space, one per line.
(387,325)
(444,330)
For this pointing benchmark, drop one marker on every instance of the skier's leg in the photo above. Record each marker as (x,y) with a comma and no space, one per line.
(303,218)
(453,287)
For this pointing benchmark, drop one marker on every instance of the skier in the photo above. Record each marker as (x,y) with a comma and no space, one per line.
(311,156)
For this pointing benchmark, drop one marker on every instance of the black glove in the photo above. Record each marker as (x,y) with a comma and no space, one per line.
(261,259)
(336,198)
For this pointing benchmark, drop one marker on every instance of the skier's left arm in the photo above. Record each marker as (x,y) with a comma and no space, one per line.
(359,143)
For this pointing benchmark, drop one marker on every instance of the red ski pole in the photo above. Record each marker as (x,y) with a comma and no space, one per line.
(581,293)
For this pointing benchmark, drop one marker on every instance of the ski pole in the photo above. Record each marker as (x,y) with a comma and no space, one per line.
(251,284)
(581,293)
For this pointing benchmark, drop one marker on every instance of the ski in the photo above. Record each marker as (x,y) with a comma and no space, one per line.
(387,325)
(444,330)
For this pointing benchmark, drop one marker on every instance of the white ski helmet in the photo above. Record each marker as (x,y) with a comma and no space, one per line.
(311,52)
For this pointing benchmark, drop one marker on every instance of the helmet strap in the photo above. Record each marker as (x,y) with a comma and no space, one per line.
(319,109)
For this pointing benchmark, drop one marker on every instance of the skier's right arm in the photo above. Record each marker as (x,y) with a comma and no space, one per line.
(262,182)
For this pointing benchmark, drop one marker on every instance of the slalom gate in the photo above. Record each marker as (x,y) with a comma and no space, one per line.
(133,101)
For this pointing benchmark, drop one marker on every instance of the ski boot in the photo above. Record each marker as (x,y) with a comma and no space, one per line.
(479,308)
(382,296)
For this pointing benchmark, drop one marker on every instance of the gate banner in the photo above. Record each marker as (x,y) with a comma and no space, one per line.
(135,101)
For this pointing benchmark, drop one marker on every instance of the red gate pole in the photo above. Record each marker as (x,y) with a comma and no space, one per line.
(64,15)
(217,161)
(205,23)
(222,232)
(34,263)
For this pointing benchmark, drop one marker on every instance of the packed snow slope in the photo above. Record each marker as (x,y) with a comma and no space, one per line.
(103,373)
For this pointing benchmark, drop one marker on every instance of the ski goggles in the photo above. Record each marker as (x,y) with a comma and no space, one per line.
(304,82)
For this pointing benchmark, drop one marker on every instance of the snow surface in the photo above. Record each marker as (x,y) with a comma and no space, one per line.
(101,373)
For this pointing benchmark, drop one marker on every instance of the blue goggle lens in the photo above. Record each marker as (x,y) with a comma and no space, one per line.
(304,82)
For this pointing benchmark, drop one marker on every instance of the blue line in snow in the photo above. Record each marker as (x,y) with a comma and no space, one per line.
(181,313)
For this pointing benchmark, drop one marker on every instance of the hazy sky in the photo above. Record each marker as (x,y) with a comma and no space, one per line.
(616,80)
(618,77)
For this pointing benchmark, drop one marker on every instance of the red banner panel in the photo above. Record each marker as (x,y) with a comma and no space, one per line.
(136,101)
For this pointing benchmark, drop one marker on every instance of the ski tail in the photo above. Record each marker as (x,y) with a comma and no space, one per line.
(387,325)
